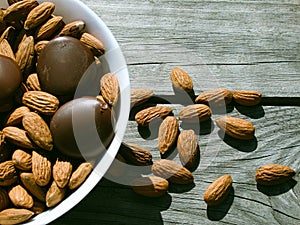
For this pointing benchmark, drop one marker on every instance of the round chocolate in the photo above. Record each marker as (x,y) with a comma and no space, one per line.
(61,64)
(82,127)
(10,80)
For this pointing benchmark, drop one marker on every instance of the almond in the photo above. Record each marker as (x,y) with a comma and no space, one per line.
(218,191)
(145,116)
(73,29)
(195,113)
(236,127)
(61,173)
(22,160)
(41,169)
(29,183)
(15,216)
(18,137)
(6,50)
(15,118)
(40,46)
(181,80)
(38,207)
(167,134)
(8,173)
(151,186)
(273,174)
(93,43)
(25,54)
(140,96)
(215,98)
(80,175)
(20,197)
(246,98)
(172,171)
(109,86)
(49,28)
(54,195)
(33,83)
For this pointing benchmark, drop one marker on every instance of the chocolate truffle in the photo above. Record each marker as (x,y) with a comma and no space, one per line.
(61,64)
(82,128)
(10,80)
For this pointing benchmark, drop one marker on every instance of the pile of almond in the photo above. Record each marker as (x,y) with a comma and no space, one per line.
(33,174)
(172,135)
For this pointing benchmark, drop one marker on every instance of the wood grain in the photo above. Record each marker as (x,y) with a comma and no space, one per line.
(233,44)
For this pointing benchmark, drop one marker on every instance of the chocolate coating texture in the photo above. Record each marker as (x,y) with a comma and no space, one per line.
(61,65)
(83,128)
(10,80)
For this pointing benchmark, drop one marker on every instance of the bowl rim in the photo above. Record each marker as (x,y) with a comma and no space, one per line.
(119,68)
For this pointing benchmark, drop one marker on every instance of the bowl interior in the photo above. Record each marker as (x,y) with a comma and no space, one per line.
(72,10)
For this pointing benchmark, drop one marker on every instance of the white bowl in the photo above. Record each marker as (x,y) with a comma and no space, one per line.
(72,10)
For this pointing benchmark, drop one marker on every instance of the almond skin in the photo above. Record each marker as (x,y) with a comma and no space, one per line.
(15,216)
(273,174)
(167,134)
(246,98)
(195,113)
(236,127)
(135,154)
(181,80)
(151,186)
(145,116)
(140,96)
(215,98)
(218,191)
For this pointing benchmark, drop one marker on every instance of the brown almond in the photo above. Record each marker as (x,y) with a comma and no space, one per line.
(8,173)
(25,54)
(73,29)
(22,160)
(218,191)
(40,46)
(135,154)
(246,98)
(172,171)
(151,186)
(109,86)
(215,98)
(15,118)
(20,197)
(273,174)
(33,83)
(4,199)
(140,96)
(80,175)
(54,195)
(15,216)
(235,127)
(29,183)
(38,130)
(61,173)
(167,134)
(41,169)
(41,102)
(188,149)
(93,43)
(49,28)
(6,50)
(39,15)
(151,114)
(181,80)
(195,113)
(18,137)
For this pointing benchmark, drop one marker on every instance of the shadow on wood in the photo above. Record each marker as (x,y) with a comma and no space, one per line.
(241,145)
(135,109)
(180,188)
(277,189)
(150,132)
(201,128)
(254,112)
(217,213)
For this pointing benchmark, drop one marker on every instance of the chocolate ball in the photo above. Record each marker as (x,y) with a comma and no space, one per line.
(61,64)
(10,80)
(83,128)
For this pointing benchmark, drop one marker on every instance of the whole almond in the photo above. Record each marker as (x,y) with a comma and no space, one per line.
(20,197)
(172,171)
(22,160)
(145,116)
(181,80)
(151,186)
(195,113)
(135,154)
(61,173)
(246,98)
(41,102)
(80,175)
(29,183)
(236,127)
(18,137)
(218,191)
(15,118)
(6,50)
(25,54)
(49,28)
(73,29)
(273,174)
(39,15)
(15,216)
(215,98)
(38,130)
(167,134)
(8,173)
(41,169)
(54,195)
(109,86)
(4,199)
(93,43)
(32,82)
(188,149)
(140,96)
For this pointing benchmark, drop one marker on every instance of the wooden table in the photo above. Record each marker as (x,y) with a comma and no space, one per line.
(233,44)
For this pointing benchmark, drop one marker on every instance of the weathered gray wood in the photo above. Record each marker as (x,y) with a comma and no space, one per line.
(233,44)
